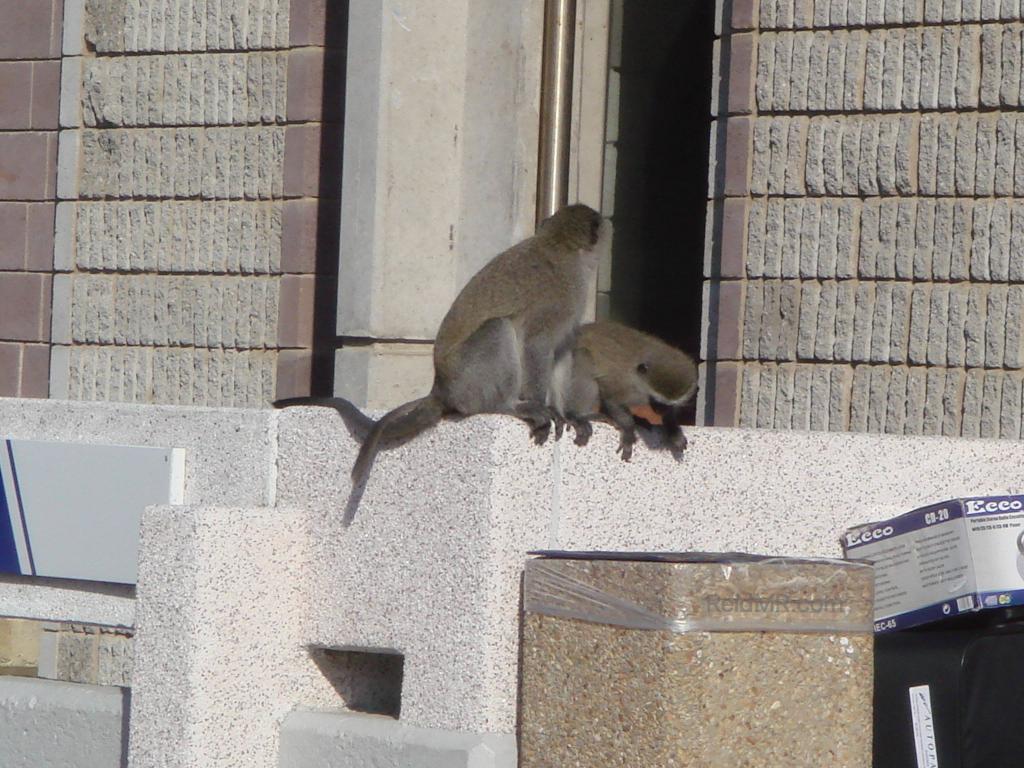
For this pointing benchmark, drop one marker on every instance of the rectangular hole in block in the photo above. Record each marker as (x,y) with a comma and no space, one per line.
(368,681)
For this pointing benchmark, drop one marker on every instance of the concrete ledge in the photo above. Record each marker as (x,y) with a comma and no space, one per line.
(43,722)
(316,739)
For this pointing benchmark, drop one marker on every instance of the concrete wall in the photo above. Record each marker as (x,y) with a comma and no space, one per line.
(237,600)
(190,185)
(865,250)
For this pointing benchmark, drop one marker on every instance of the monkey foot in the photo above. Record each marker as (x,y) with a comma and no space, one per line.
(582,429)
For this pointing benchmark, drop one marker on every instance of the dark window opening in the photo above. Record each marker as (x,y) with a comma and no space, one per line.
(662,59)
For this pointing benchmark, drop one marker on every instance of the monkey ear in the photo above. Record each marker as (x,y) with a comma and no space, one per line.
(642,369)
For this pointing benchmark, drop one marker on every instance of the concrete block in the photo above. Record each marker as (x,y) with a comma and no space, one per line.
(841,142)
(917,345)
(792,213)
(863,321)
(768,385)
(761,154)
(820,395)
(991,398)
(866,174)
(810,296)
(845,321)
(900,325)
(999,241)
(985,155)
(860,398)
(778,140)
(927,157)
(751,376)
(930,65)
(952,403)
(948,46)
(840,385)
(1010,408)
(1009,87)
(974,326)
(968,77)
(782,73)
(905,240)
(874,61)
(881,323)
(800,417)
(784,383)
(956,340)
(867,263)
(1014,344)
(835,74)
(800,72)
(925,237)
(892,71)
(945,161)
(935,390)
(382,376)
(937,332)
(991,66)
(827,214)
(796,162)
(913,423)
(753,307)
(79,726)
(774,229)
(824,338)
(1005,153)
(756,213)
(888,130)
(961,244)
(980,241)
(896,402)
(965,155)
(818,63)
(814,170)
(789,310)
(847,239)
(911,94)
(310,739)
(996,326)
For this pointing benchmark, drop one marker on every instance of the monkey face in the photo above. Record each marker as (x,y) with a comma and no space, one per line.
(669,378)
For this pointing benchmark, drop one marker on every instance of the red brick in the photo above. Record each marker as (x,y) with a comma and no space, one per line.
(30,29)
(27,165)
(743,13)
(46,95)
(741,74)
(15,95)
(305,85)
(301,160)
(733,237)
(726,380)
(10,369)
(294,373)
(39,240)
(298,235)
(295,311)
(13,224)
(307,23)
(23,314)
(737,156)
(35,370)
(728,322)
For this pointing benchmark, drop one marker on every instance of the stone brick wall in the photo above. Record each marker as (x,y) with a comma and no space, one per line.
(865,261)
(30,39)
(190,185)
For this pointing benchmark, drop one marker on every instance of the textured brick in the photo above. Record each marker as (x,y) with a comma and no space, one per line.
(980,242)
(952,403)
(995,326)
(974,326)
(906,226)
(956,339)
(949,44)
(896,402)
(938,312)
(847,239)
(863,318)
(818,65)
(900,324)
(886,156)
(930,67)
(756,214)
(911,91)
(962,245)
(991,396)
(881,323)
(810,296)
(784,375)
(869,238)
(774,226)
(845,321)
(753,305)
(1010,408)
(917,345)
(1014,343)
(778,141)
(789,311)
(749,392)
(927,154)
(935,390)
(860,398)
(991,66)
(801,411)
(1005,155)
(874,61)
(945,170)
(810,229)
(916,393)
(766,397)
(833,158)
(792,223)
(966,152)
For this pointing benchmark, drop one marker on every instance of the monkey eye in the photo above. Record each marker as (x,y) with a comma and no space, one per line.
(642,369)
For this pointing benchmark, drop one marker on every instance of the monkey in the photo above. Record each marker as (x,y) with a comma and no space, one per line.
(498,344)
(615,369)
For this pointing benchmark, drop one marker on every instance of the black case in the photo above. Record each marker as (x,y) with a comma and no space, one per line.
(974,667)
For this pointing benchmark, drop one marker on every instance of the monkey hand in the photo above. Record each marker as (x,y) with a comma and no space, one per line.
(583,430)
(626,441)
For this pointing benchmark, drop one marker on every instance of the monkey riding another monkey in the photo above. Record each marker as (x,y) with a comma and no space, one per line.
(499,341)
(615,369)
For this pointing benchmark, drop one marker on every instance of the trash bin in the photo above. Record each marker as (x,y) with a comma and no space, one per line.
(712,660)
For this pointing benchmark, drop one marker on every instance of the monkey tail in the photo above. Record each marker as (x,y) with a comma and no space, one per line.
(395,428)
(358,424)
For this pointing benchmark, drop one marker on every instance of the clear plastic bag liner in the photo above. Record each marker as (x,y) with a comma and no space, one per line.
(794,601)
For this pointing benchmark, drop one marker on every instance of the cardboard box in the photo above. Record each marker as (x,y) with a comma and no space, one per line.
(943,560)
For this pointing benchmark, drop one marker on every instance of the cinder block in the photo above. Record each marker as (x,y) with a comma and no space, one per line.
(917,344)
(956,340)
(881,323)
(974,326)
(900,326)
(845,321)
(937,332)
(996,326)
(1010,408)
(896,402)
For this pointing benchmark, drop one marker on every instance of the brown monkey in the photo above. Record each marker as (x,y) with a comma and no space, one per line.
(614,370)
(498,344)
